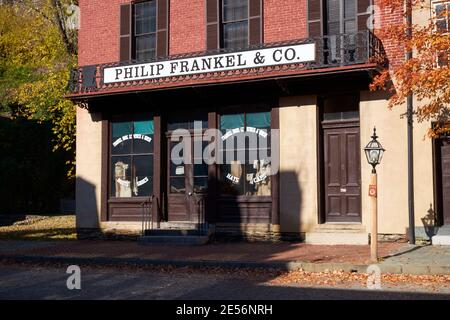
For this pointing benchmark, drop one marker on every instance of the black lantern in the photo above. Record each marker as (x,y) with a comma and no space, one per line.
(374,151)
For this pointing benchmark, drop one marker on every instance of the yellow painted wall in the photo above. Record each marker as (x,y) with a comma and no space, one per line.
(88,169)
(392,172)
(298,165)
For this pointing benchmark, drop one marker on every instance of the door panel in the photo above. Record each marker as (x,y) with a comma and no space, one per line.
(445,171)
(178,189)
(342,175)
(187,185)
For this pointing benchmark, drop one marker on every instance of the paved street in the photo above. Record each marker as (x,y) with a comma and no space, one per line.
(26,281)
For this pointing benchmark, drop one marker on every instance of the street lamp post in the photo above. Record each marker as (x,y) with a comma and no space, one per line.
(374,153)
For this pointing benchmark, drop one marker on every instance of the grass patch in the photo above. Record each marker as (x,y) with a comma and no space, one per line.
(45,228)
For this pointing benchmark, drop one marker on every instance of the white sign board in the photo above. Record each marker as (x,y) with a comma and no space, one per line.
(213,63)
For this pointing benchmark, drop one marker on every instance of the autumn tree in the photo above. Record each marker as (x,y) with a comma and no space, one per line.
(38,48)
(426,75)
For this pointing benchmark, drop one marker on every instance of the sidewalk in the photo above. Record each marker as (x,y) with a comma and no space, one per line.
(398,257)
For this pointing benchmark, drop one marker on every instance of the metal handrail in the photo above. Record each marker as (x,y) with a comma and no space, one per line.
(147,214)
(201,223)
(331,50)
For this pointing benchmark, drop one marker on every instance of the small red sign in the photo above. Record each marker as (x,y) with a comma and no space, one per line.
(372,191)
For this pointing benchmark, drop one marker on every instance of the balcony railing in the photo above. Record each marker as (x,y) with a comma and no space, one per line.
(331,51)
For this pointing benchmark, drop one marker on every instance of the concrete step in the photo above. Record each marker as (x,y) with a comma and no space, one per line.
(344,228)
(174,239)
(173,232)
(334,234)
(442,237)
(335,238)
(440,240)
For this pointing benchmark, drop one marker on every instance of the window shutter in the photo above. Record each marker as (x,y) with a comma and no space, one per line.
(212,24)
(362,14)
(255,29)
(125,32)
(162,34)
(315,18)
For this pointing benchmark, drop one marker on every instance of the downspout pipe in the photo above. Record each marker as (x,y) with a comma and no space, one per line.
(409,112)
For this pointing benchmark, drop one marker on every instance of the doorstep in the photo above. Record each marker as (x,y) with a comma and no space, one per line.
(442,237)
(338,234)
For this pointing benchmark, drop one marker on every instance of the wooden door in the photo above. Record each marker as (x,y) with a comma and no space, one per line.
(179,186)
(444,188)
(342,174)
(187,185)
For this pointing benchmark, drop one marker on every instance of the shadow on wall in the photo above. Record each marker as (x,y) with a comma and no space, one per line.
(290,205)
(429,222)
(248,213)
(88,214)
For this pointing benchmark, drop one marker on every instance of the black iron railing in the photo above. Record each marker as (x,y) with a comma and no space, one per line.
(331,51)
(348,49)
(147,214)
(202,227)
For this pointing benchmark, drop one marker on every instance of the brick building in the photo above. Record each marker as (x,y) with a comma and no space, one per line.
(290,78)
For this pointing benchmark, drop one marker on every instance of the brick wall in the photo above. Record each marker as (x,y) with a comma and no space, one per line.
(187,26)
(395,53)
(283,20)
(98,37)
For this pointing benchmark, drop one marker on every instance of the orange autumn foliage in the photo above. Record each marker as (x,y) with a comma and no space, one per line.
(427,74)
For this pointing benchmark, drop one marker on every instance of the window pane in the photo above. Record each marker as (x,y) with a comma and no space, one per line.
(145,17)
(143,182)
(144,127)
(245,171)
(200,184)
(350,27)
(145,47)
(333,10)
(258,120)
(235,10)
(131,170)
(232,178)
(143,137)
(334,28)
(258,181)
(201,169)
(121,182)
(121,137)
(177,170)
(439,8)
(177,185)
(235,35)
(180,122)
(174,125)
(441,25)
(349,9)
(120,129)
(341,107)
(231,121)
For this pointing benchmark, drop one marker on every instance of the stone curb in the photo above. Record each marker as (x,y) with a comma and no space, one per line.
(285,266)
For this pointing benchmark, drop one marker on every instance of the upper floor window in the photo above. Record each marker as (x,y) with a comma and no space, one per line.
(235,23)
(341,17)
(145,30)
(336,17)
(442,16)
(144,27)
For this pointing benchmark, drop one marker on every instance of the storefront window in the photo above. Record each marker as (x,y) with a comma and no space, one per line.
(131,159)
(246,168)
